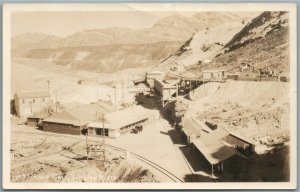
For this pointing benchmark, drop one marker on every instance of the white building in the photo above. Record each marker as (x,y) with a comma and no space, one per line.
(28,103)
(123,121)
(213,75)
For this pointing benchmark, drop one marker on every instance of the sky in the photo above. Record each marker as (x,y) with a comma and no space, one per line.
(63,23)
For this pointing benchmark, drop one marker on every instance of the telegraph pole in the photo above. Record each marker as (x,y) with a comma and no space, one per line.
(97,151)
(56,103)
(87,147)
(97,99)
(123,92)
(48,83)
(115,97)
(103,140)
(177,90)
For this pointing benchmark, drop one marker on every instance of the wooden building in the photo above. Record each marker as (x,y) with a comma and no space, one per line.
(28,103)
(72,120)
(138,79)
(178,68)
(218,157)
(150,76)
(219,148)
(36,119)
(120,122)
(166,88)
(216,74)
(192,129)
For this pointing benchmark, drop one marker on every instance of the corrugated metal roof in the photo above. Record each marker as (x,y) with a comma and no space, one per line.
(33,94)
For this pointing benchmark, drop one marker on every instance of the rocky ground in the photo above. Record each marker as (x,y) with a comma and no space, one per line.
(43,158)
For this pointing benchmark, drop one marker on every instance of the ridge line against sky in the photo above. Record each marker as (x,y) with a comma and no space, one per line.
(62,24)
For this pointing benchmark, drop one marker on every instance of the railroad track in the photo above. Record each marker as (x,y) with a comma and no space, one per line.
(152,164)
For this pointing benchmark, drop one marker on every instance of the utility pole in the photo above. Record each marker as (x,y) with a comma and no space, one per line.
(123,92)
(97,96)
(97,90)
(87,147)
(176,90)
(56,103)
(115,97)
(48,83)
(30,103)
(103,141)
(97,151)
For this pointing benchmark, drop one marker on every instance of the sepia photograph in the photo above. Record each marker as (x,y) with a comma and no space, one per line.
(148,96)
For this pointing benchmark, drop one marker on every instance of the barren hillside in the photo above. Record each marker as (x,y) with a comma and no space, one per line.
(256,110)
(115,48)
(107,58)
(263,43)
(205,44)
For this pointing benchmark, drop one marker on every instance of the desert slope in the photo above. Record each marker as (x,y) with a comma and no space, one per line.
(264,43)
(205,44)
(107,58)
(256,110)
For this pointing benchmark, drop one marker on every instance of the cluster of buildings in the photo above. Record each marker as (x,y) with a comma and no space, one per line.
(243,72)
(77,119)
(219,148)
(169,85)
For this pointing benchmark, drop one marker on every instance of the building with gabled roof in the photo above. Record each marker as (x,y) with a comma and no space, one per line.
(28,103)
(217,155)
(216,146)
(73,120)
(119,122)
(214,74)
(36,119)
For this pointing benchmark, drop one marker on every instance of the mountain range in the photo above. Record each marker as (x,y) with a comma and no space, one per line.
(114,48)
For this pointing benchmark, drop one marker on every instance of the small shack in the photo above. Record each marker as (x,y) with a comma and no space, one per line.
(177,68)
(36,119)
(150,76)
(137,79)
(214,74)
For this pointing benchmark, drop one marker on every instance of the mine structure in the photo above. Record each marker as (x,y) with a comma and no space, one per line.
(96,152)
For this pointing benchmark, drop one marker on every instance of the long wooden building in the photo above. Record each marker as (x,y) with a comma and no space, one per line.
(72,120)
(120,122)
(217,147)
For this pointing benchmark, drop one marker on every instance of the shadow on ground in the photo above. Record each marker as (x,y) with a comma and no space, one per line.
(175,136)
(192,159)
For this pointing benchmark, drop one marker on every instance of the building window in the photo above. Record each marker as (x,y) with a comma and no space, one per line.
(33,100)
(43,99)
(23,101)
